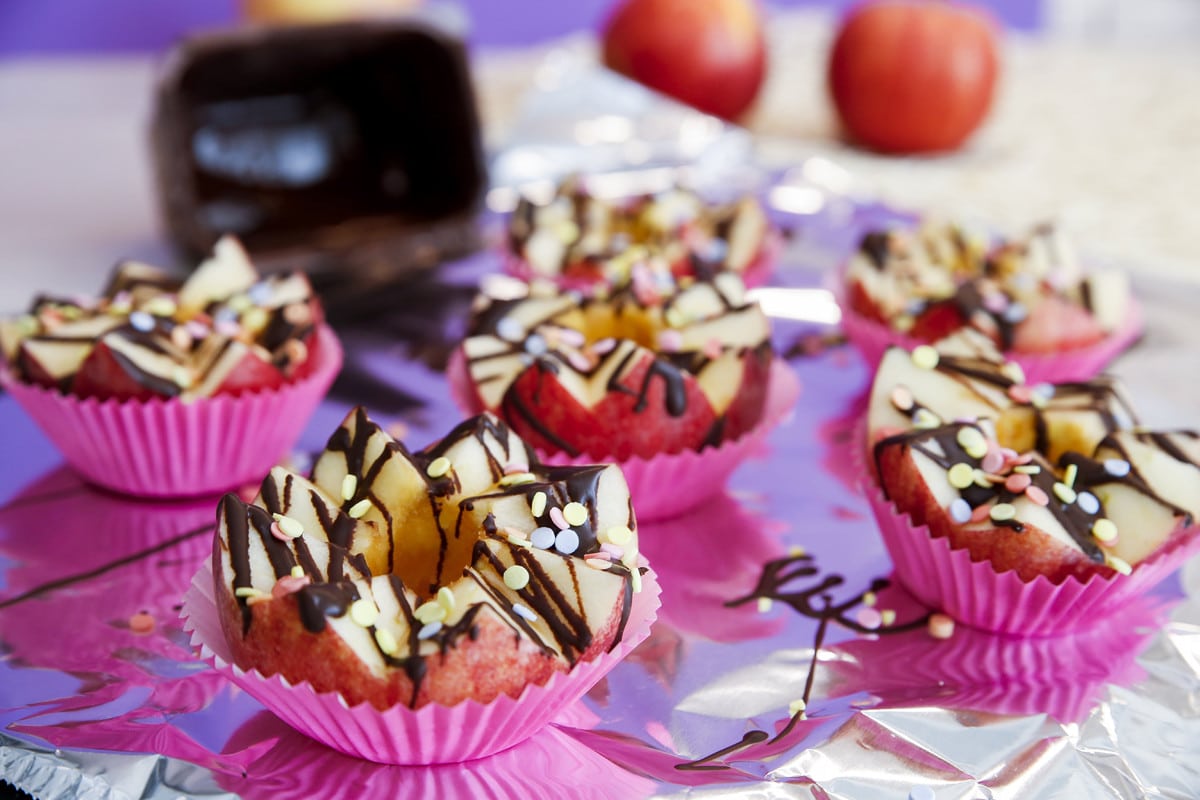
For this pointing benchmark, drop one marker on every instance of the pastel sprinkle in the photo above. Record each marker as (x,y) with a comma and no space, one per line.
(559,519)
(1013,371)
(925,357)
(598,563)
(1088,502)
(995,302)
(248,592)
(1117,467)
(869,618)
(612,550)
(542,538)
(797,707)
(289,584)
(141,321)
(1105,530)
(1015,313)
(993,461)
(1070,474)
(387,643)
(764,604)
(924,418)
(291,527)
(516,577)
(961,475)
(1002,512)
(619,534)
(1020,394)
(349,487)
(941,626)
(575,513)
(960,511)
(537,506)
(278,533)
(429,630)
(141,623)
(869,599)
(518,478)
(1037,495)
(1017,482)
(510,329)
(1027,469)
(670,341)
(517,538)
(635,580)
(445,599)
(297,571)
(887,616)
(902,399)
(359,509)
(604,346)
(536,345)
(567,542)
(429,612)
(712,349)
(980,513)
(524,613)
(515,468)
(973,442)
(578,361)
(1120,565)
(982,479)
(438,467)
(364,613)
(1064,493)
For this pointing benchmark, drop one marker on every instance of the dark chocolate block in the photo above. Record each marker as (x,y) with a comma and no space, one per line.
(352,145)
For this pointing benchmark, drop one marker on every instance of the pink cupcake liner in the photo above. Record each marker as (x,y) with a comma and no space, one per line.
(973,592)
(1076,364)
(666,485)
(432,734)
(171,448)
(757,272)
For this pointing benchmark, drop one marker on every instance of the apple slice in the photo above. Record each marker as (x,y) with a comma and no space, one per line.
(51,362)
(128,365)
(229,366)
(227,272)
(1055,324)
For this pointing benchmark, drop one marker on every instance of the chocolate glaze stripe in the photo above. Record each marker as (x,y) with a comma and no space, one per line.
(132,558)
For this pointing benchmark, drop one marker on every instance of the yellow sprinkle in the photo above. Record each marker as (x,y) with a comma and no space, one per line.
(290,527)
(517,538)
(297,571)
(432,611)
(598,563)
(247,591)
(516,577)
(887,616)
(797,707)
(438,467)
(182,376)
(925,357)
(1072,472)
(1013,371)
(364,613)
(518,478)
(797,550)
(537,506)
(1105,530)
(869,599)
(349,486)
(961,475)
(904,322)
(941,626)
(1028,469)
(445,599)
(764,604)
(160,306)
(675,317)
(982,479)
(619,535)
(359,509)
(1038,401)
(1064,492)
(575,513)
(387,643)
(972,441)
(635,580)
(1120,565)
(1002,512)
(240,302)
(924,418)
(255,319)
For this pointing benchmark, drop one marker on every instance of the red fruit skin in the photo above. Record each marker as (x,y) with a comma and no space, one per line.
(546,415)
(709,54)
(1056,325)
(102,376)
(936,321)
(250,374)
(913,76)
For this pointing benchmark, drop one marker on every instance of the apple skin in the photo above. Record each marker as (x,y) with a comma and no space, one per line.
(710,55)
(102,376)
(913,76)
(251,373)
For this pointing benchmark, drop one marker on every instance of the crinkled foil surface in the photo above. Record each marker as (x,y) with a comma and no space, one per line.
(763,607)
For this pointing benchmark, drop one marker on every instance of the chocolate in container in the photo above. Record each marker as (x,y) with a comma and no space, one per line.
(351,148)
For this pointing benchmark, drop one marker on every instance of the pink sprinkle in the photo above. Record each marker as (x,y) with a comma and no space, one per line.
(670,341)
(604,346)
(995,302)
(579,361)
(1025,459)
(197,329)
(993,461)
(1020,393)
(980,513)
(279,534)
(227,328)
(712,349)
(571,337)
(1017,482)
(1010,455)
(141,623)
(597,556)
(616,551)
(515,467)
(556,516)
(289,584)
(870,618)
(1038,496)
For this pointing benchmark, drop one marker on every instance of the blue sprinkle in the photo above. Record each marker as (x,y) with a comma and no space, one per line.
(1088,502)
(1015,313)
(567,542)
(141,321)
(960,511)
(259,294)
(535,345)
(542,538)
(1117,467)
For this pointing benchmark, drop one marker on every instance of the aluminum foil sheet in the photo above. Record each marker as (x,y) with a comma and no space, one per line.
(763,606)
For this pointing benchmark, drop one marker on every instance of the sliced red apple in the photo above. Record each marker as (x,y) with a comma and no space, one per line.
(224,274)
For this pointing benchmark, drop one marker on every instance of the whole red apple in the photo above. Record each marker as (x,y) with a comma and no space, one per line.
(912,76)
(707,54)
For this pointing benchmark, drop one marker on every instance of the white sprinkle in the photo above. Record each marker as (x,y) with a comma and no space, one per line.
(960,511)
(535,345)
(1117,467)
(430,630)
(359,509)
(1088,502)
(349,486)
(510,329)
(567,542)
(537,506)
(543,538)
(523,612)
(141,321)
